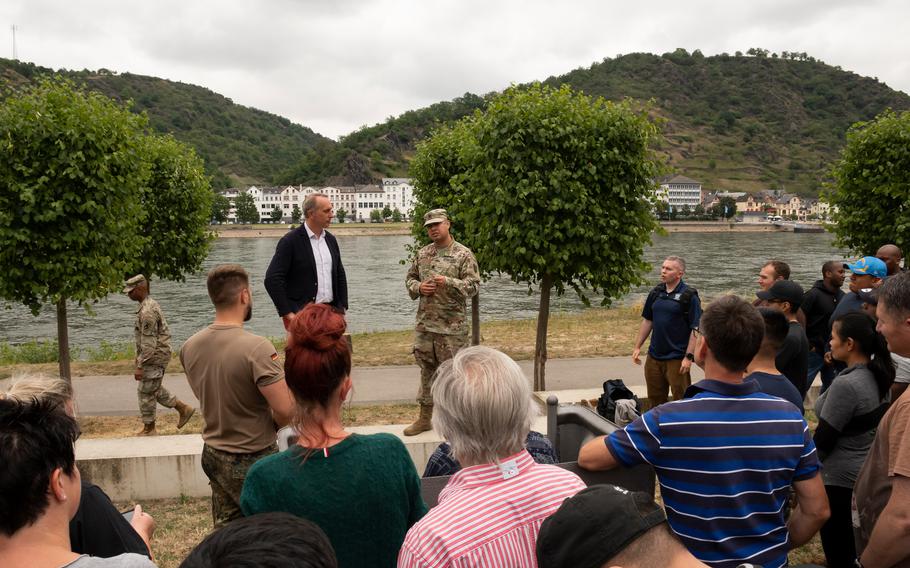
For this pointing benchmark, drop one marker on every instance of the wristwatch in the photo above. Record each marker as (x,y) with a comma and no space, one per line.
(690,357)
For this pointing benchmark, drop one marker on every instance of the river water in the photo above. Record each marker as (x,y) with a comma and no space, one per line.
(717,263)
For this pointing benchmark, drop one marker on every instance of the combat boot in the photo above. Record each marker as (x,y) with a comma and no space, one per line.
(186,412)
(423,422)
(148,430)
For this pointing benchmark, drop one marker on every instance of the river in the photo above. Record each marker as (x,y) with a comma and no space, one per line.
(717,263)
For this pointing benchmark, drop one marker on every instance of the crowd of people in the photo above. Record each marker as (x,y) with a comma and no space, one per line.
(743,479)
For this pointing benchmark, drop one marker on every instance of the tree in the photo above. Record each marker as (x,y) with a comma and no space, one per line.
(870,191)
(551,187)
(71,173)
(725,208)
(276,214)
(176,204)
(396,216)
(699,210)
(375,216)
(341,214)
(296,214)
(386,213)
(245,208)
(221,207)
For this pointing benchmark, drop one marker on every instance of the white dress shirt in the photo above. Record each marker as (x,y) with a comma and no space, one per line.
(323,258)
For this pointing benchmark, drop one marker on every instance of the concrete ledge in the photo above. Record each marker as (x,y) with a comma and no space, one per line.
(162,467)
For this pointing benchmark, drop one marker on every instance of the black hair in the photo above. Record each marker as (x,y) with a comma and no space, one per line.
(36,438)
(776,327)
(277,540)
(860,327)
(733,330)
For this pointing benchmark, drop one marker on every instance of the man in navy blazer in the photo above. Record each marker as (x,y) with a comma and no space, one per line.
(307,263)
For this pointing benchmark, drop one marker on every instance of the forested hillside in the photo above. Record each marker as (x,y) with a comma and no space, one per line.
(734,122)
(239,144)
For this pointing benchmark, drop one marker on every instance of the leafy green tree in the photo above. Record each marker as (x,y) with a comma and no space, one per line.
(176,207)
(71,173)
(275,214)
(396,216)
(685,211)
(386,213)
(870,191)
(296,214)
(341,214)
(551,187)
(699,210)
(725,208)
(245,208)
(221,207)
(375,216)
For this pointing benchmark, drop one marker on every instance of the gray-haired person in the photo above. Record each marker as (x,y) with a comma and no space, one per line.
(484,409)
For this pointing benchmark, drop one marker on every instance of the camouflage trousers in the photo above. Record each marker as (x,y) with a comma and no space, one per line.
(226,472)
(151,392)
(430,350)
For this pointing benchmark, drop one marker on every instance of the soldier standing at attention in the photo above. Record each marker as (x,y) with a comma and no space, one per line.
(443,275)
(153,352)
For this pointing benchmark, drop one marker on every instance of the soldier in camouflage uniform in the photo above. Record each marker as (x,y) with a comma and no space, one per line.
(443,275)
(153,352)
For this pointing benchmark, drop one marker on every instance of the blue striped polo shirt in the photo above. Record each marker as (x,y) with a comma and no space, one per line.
(725,458)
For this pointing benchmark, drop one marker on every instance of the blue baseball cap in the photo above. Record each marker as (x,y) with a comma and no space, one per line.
(868,265)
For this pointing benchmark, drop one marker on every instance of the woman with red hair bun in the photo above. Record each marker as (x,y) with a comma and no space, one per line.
(362,490)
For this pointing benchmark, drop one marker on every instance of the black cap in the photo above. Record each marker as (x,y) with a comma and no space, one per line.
(785,291)
(594,526)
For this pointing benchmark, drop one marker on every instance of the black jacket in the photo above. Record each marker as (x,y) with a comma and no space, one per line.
(818,305)
(291,277)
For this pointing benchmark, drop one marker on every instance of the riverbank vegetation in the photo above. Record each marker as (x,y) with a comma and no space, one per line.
(592,333)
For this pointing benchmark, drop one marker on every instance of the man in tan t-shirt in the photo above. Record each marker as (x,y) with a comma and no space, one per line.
(240,385)
(881,495)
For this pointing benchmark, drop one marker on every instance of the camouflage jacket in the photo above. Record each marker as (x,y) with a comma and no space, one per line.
(153,338)
(444,311)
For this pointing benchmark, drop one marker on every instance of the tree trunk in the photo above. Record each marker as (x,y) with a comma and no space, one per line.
(475,319)
(543,318)
(63,341)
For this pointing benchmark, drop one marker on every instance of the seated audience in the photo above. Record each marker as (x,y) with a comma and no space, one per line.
(763,369)
(490,512)
(40,489)
(848,414)
(275,540)
(442,462)
(98,529)
(793,357)
(362,490)
(723,437)
(881,494)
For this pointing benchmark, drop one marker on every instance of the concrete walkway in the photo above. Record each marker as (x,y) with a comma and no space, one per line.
(116,395)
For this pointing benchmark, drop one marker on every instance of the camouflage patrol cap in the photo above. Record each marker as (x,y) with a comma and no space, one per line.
(134,282)
(435,216)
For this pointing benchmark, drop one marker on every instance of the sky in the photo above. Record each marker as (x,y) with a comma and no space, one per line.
(337,65)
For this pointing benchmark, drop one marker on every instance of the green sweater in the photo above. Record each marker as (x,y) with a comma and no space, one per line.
(365,495)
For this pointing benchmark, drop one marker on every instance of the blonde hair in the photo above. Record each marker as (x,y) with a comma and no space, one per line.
(33,388)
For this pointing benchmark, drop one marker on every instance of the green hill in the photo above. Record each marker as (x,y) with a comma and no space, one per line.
(239,144)
(736,122)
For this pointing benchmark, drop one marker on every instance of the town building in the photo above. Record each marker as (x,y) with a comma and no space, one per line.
(679,191)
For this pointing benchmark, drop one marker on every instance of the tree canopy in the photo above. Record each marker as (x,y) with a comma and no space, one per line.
(870,192)
(549,186)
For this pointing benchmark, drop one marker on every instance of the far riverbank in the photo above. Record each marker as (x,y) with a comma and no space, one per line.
(398,229)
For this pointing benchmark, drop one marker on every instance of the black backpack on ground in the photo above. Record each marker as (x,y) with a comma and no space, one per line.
(615,389)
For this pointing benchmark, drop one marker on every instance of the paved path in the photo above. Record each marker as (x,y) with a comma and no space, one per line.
(116,395)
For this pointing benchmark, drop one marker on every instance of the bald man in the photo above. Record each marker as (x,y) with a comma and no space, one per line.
(891,255)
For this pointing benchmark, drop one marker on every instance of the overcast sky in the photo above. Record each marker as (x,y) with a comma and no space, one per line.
(335,65)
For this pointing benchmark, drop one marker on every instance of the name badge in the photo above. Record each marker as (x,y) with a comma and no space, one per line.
(508,469)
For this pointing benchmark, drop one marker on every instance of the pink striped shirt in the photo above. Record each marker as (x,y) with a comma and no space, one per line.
(489,515)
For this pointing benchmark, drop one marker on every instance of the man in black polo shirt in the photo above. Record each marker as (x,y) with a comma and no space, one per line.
(793,358)
(818,305)
(671,312)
